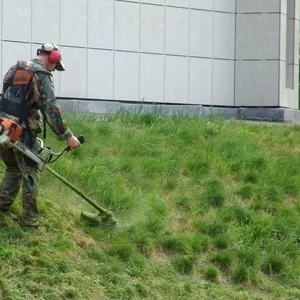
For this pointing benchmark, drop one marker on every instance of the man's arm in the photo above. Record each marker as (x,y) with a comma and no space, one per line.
(51,110)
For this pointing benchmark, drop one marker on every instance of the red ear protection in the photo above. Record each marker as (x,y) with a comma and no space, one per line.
(54,57)
(52,50)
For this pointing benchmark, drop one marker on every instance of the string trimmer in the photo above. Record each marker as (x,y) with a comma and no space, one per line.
(10,133)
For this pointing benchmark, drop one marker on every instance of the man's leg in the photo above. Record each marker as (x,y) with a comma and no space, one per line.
(10,184)
(30,177)
(29,199)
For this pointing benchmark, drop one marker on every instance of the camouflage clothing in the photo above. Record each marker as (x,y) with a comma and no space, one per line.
(18,173)
(42,99)
(19,169)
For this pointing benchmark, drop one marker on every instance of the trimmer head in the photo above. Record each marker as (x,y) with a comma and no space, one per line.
(98,219)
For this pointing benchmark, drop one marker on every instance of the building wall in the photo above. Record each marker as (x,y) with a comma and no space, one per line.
(267,53)
(177,51)
(212,52)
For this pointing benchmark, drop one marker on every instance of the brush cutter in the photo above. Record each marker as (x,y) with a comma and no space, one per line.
(10,133)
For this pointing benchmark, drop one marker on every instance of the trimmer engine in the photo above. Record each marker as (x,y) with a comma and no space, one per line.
(10,133)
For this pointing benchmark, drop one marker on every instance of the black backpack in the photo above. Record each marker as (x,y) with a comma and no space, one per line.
(17,104)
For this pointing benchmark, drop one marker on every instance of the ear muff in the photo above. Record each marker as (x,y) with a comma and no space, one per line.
(54,57)
(52,50)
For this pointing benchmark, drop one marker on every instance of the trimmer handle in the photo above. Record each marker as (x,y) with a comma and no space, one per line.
(81,141)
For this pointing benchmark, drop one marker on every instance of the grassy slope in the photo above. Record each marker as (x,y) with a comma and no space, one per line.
(207,209)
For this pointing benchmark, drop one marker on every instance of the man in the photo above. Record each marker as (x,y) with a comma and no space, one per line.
(28,94)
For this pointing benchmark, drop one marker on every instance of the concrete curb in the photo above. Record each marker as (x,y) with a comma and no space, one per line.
(238,113)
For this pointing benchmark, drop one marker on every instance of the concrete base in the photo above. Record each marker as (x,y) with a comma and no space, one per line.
(238,113)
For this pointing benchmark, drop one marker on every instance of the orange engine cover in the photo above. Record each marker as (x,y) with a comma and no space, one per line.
(14,129)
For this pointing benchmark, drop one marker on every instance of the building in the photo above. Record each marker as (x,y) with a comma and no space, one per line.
(215,53)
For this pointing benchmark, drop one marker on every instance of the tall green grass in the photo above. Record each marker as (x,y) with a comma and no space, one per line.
(206,208)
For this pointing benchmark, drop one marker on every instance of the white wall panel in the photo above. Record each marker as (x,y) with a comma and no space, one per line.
(257,36)
(127,26)
(282,36)
(100,24)
(177,31)
(257,6)
(296,41)
(100,74)
(225,5)
(176,80)
(126,76)
(201,33)
(283,6)
(202,4)
(200,83)
(73,81)
(1,49)
(290,70)
(297,9)
(73,29)
(179,3)
(45,21)
(17,20)
(282,84)
(223,82)
(257,83)
(161,2)
(1,75)
(152,28)
(1,20)
(293,49)
(12,52)
(152,78)
(56,76)
(224,35)
(289,97)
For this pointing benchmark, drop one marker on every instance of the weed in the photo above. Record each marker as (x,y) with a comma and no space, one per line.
(211,273)
(248,256)
(171,183)
(241,273)
(97,255)
(174,244)
(212,228)
(184,263)
(197,167)
(236,213)
(198,243)
(273,264)
(223,258)
(123,251)
(215,193)
(251,177)
(222,241)
(154,223)
(142,239)
(246,191)
(273,193)
(5,252)
(183,203)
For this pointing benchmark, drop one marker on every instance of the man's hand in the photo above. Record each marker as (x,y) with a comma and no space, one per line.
(73,142)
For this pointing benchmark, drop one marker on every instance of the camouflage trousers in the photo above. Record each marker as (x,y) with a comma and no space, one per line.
(19,172)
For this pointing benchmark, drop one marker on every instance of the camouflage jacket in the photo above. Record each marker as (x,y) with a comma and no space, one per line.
(43,98)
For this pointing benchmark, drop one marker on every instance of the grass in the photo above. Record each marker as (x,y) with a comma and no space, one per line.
(206,209)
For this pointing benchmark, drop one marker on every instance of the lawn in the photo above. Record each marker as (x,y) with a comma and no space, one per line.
(206,208)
